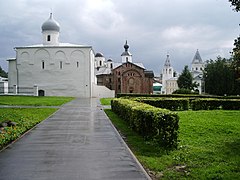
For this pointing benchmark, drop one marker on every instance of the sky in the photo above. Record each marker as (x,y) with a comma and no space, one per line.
(153,28)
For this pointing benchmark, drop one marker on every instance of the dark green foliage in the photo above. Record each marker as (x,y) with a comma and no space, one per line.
(3,73)
(152,123)
(185,91)
(236,65)
(212,104)
(128,95)
(185,80)
(219,77)
(174,104)
(236,4)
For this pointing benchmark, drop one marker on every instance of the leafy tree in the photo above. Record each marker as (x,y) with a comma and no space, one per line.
(219,77)
(185,80)
(236,53)
(236,64)
(3,73)
(236,4)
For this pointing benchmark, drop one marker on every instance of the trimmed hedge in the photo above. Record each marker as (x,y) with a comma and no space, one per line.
(211,104)
(170,95)
(151,123)
(173,104)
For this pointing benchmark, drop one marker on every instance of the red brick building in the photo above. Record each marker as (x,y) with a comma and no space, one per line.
(125,77)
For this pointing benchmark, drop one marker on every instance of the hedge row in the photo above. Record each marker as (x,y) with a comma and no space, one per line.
(173,104)
(176,96)
(179,104)
(211,104)
(151,123)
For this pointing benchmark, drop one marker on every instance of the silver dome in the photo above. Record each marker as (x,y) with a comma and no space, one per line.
(51,25)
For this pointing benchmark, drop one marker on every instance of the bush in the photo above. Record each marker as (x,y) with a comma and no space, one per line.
(174,104)
(151,123)
(211,104)
(185,91)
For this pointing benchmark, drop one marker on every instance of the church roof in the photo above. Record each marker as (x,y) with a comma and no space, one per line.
(126,52)
(167,61)
(197,58)
(51,25)
(99,55)
(116,65)
(62,45)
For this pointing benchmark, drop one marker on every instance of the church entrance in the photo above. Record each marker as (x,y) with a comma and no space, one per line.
(41,93)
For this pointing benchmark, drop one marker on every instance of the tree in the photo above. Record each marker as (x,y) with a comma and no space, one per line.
(236,4)
(219,77)
(3,73)
(236,65)
(185,80)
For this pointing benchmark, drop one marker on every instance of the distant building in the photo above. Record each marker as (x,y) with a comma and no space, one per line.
(197,67)
(169,80)
(124,77)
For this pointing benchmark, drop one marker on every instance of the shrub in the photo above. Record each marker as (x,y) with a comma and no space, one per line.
(151,123)
(211,104)
(174,104)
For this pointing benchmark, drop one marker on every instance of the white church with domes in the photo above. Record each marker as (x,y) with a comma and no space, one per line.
(169,80)
(56,69)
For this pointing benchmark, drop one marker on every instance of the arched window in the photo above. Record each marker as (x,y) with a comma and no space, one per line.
(48,38)
(43,65)
(41,93)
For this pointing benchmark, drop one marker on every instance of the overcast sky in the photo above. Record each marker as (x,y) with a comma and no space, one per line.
(153,28)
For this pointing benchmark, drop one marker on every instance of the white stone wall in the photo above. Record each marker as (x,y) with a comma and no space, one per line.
(59,71)
(167,73)
(102,92)
(12,72)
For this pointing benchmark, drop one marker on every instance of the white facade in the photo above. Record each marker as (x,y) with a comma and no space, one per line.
(169,82)
(58,69)
(167,73)
(171,85)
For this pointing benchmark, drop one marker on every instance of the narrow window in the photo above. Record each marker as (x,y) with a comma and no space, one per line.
(43,65)
(100,63)
(126,59)
(61,65)
(77,64)
(111,66)
(48,38)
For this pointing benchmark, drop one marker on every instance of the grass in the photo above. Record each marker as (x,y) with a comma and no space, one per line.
(106,101)
(208,148)
(34,101)
(25,118)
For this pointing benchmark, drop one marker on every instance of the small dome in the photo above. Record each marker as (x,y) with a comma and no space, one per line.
(51,25)
(109,60)
(99,55)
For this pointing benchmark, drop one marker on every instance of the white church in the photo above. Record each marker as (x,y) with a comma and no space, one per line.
(169,80)
(56,69)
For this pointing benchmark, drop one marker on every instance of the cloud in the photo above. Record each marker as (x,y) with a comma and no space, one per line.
(152,28)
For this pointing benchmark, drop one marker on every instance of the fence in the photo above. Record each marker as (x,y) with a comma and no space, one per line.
(30,91)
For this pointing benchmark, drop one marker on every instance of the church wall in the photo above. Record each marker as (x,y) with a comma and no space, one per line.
(59,71)
(12,73)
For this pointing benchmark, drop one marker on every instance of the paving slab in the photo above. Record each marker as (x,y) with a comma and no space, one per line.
(78,142)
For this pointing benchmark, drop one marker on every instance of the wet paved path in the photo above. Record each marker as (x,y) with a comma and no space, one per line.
(77,143)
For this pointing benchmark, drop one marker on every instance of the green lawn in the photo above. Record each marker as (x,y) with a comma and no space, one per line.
(106,101)
(25,118)
(209,147)
(34,101)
